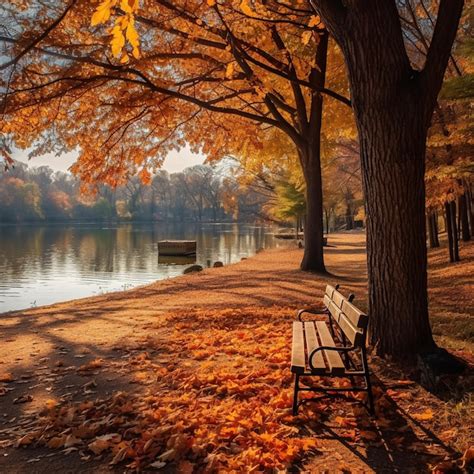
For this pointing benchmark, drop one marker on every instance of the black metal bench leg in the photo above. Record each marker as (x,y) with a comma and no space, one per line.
(295,395)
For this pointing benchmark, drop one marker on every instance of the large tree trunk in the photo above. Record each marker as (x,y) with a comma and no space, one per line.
(313,258)
(434,223)
(430,228)
(393,106)
(310,159)
(464,217)
(470,205)
(392,157)
(449,230)
(392,135)
(455,231)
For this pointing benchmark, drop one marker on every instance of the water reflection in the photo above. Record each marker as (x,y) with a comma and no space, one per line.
(42,265)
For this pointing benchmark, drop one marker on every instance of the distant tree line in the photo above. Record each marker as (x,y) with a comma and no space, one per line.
(199,193)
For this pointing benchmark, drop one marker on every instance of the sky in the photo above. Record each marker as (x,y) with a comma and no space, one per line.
(175,161)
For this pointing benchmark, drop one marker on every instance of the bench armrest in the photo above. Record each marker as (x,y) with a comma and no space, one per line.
(311,311)
(327,348)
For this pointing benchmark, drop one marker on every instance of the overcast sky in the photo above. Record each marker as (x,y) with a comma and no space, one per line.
(174,162)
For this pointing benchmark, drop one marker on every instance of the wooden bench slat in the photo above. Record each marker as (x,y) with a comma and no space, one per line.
(338,298)
(357,317)
(298,364)
(327,301)
(353,334)
(311,344)
(330,290)
(335,363)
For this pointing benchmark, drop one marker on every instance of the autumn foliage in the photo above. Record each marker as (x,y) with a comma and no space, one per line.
(215,396)
(218,399)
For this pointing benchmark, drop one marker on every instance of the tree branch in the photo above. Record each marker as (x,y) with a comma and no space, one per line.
(449,14)
(333,14)
(38,39)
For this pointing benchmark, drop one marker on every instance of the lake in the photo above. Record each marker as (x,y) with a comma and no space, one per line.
(47,264)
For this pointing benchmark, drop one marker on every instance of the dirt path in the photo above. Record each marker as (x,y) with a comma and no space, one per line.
(50,351)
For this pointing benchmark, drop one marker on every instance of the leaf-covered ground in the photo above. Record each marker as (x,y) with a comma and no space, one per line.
(192,375)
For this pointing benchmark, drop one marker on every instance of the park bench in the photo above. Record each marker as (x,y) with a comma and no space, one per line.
(332,348)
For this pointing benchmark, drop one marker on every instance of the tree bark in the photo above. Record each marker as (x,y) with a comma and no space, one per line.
(449,230)
(463,214)
(431,230)
(326,215)
(349,219)
(432,224)
(393,106)
(454,228)
(310,159)
(435,228)
(470,205)
(392,140)
(396,246)
(313,258)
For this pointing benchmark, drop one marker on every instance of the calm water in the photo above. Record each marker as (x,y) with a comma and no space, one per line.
(43,265)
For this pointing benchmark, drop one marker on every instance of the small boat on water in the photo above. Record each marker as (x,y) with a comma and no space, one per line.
(176,259)
(177,247)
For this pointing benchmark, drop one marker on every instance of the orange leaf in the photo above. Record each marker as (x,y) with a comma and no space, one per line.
(345,421)
(426,415)
(369,435)
(6,377)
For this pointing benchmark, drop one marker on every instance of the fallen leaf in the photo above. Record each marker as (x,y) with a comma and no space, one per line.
(120,456)
(368,435)
(51,403)
(345,421)
(448,434)
(426,415)
(71,441)
(167,455)
(98,446)
(92,365)
(395,394)
(6,377)
(25,440)
(23,399)
(101,443)
(56,442)
(85,430)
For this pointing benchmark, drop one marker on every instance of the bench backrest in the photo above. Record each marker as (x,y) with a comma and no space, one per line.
(352,321)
